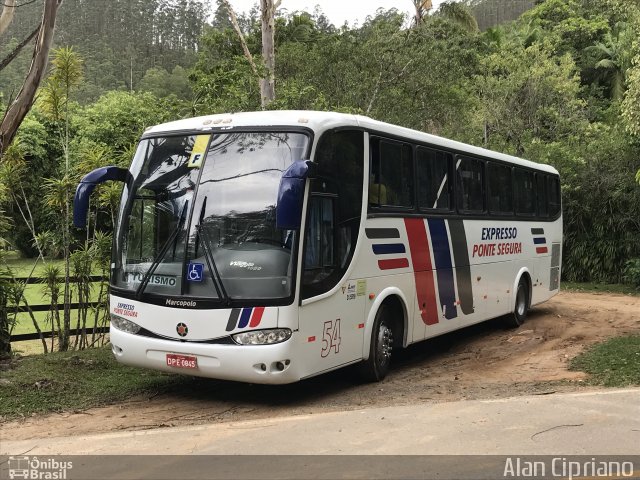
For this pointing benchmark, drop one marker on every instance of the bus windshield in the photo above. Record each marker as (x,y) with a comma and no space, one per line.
(198,219)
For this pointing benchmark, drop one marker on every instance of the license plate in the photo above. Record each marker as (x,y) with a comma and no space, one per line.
(182,361)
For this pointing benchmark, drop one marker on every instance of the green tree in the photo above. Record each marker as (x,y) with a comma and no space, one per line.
(416,77)
(613,59)
(459,13)
(422,8)
(5,322)
(118,118)
(630,110)
(223,79)
(32,156)
(56,96)
(602,205)
(66,76)
(528,95)
(18,109)
(163,84)
(570,27)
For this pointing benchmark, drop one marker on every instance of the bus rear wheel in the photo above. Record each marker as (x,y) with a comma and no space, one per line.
(376,367)
(521,307)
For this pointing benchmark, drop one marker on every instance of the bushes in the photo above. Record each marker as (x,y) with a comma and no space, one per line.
(601,207)
(632,272)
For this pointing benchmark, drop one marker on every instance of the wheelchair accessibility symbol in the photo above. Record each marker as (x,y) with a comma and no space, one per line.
(195,272)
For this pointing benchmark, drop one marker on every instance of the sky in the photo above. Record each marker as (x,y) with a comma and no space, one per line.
(338,11)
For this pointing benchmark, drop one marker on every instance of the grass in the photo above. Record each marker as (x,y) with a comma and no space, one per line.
(74,381)
(34,296)
(21,267)
(613,363)
(590,287)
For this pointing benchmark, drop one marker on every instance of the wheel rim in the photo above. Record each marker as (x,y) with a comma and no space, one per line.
(384,345)
(521,302)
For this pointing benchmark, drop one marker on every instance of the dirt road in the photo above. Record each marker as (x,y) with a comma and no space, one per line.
(480,362)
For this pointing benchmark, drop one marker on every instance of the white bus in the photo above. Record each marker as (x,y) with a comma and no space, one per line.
(270,247)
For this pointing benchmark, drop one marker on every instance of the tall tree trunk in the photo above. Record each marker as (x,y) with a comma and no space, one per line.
(422,8)
(66,317)
(7,14)
(243,43)
(55,315)
(67,232)
(14,53)
(20,107)
(267,84)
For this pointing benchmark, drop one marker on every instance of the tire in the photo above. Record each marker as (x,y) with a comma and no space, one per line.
(521,307)
(376,367)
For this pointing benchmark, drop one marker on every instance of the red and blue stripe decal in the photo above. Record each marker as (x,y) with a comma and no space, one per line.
(463,266)
(444,267)
(422,269)
(445,254)
(388,243)
(241,317)
(539,240)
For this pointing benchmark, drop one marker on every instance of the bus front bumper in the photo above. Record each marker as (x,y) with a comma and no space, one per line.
(270,364)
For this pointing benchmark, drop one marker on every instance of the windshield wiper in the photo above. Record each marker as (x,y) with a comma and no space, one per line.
(163,251)
(203,236)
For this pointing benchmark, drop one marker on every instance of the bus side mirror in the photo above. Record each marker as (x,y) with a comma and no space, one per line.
(86,186)
(291,194)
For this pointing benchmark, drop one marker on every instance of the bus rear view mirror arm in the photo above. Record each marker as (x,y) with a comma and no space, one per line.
(86,186)
(291,193)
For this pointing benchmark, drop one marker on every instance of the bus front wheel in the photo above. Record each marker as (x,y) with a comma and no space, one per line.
(521,307)
(376,367)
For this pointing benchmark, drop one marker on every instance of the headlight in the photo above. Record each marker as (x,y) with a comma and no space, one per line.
(262,337)
(124,324)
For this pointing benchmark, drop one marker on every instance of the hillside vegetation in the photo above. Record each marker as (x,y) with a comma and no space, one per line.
(558,85)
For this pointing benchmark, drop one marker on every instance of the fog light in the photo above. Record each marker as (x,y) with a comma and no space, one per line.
(124,325)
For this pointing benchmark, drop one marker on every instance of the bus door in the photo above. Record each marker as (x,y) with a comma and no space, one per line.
(332,308)
(332,324)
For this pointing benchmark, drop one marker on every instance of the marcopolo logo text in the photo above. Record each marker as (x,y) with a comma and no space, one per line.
(180,303)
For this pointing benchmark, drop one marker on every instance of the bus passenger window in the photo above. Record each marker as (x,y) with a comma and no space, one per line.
(391,174)
(500,189)
(470,185)
(543,201)
(554,196)
(525,192)
(434,187)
